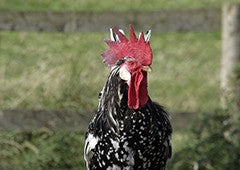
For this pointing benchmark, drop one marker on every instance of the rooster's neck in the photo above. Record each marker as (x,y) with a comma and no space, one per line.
(114,93)
(113,100)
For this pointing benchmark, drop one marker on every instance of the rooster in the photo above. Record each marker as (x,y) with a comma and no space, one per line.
(129,130)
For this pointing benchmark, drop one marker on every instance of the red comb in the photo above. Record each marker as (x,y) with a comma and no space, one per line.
(134,48)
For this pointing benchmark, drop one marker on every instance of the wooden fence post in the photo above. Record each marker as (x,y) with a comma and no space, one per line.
(230,51)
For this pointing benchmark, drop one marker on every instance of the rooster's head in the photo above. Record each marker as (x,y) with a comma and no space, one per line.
(134,57)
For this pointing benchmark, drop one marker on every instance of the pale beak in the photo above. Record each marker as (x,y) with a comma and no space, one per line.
(147,68)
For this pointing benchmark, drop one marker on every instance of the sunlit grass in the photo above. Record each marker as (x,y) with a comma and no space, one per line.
(109,5)
(57,70)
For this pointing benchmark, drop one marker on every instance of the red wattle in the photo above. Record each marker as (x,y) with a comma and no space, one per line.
(137,91)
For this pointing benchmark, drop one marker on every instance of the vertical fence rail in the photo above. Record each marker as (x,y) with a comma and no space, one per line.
(230,50)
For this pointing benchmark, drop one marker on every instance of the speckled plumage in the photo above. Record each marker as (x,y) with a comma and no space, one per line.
(121,138)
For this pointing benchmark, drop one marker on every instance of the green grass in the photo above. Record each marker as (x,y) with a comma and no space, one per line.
(45,149)
(56,70)
(109,5)
(42,149)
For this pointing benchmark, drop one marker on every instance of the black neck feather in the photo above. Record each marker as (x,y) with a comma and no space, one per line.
(112,102)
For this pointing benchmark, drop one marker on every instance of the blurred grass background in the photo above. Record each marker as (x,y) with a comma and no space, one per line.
(60,71)
(108,5)
(65,71)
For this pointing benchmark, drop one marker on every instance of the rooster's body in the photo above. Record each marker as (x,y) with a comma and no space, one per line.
(127,134)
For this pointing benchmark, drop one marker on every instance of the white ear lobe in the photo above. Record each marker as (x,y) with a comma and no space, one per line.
(124,74)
